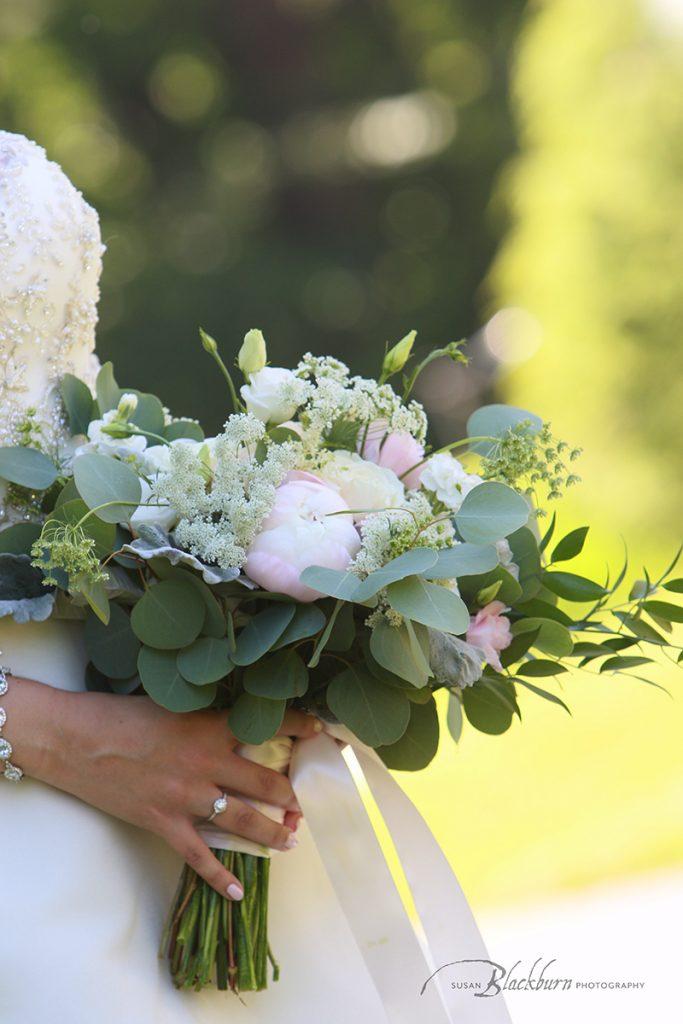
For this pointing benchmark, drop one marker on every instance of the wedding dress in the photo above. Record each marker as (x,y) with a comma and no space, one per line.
(83,895)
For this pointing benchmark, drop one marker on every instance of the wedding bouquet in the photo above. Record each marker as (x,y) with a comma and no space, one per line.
(316,553)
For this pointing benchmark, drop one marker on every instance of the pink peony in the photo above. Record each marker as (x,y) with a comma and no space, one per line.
(490,632)
(300,532)
(398,451)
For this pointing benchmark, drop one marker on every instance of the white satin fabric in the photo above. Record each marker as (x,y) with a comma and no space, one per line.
(83,897)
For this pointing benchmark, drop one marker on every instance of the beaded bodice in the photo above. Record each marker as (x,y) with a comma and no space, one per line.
(50,265)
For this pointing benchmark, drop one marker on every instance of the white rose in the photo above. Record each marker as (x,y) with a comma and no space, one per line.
(363,485)
(153,515)
(268,395)
(449,480)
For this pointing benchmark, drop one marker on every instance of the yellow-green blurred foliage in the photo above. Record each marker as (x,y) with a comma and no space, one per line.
(593,257)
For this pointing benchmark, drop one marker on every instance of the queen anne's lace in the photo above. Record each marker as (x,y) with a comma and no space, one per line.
(223,502)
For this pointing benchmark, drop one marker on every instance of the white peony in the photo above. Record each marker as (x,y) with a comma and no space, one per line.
(449,480)
(363,485)
(270,394)
(301,530)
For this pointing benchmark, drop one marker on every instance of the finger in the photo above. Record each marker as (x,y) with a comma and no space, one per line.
(244,820)
(292,819)
(253,780)
(199,857)
(297,723)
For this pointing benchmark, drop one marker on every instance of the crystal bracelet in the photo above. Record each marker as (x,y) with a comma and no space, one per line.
(10,771)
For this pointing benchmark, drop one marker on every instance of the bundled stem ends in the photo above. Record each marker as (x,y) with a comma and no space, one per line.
(210,940)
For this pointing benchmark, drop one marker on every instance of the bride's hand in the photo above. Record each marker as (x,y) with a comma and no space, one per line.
(154,768)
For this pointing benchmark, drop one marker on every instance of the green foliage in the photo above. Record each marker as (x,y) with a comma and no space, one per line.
(164,683)
(573,588)
(490,704)
(394,649)
(279,676)
(168,616)
(491,512)
(261,632)
(462,560)
(19,538)
(27,467)
(419,743)
(570,546)
(410,563)
(255,719)
(112,648)
(104,481)
(78,403)
(429,604)
(376,713)
(205,661)
(495,421)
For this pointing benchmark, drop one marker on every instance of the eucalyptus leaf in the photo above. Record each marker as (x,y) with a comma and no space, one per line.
(332,582)
(308,620)
(101,479)
(343,632)
(261,632)
(279,676)
(255,719)
(19,538)
(410,563)
(27,467)
(419,743)
(78,403)
(205,661)
(107,390)
(179,429)
(113,649)
(490,512)
(391,647)
(375,713)
(496,420)
(169,616)
(430,604)
(463,560)
(166,686)
(489,707)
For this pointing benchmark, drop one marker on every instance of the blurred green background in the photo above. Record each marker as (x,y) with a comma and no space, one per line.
(338,172)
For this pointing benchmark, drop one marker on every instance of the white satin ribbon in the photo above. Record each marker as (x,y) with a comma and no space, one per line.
(394,956)
(403,960)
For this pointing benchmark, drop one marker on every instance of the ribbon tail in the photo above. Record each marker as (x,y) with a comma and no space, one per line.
(449,926)
(358,871)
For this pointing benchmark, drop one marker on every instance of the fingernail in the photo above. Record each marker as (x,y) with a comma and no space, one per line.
(235,891)
(291,841)
(317,725)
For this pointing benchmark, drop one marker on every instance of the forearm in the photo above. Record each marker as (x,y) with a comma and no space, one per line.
(34,727)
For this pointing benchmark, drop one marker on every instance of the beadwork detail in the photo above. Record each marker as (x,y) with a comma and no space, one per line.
(50,264)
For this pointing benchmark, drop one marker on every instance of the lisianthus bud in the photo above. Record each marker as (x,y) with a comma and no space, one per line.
(208,342)
(397,357)
(252,356)
(128,403)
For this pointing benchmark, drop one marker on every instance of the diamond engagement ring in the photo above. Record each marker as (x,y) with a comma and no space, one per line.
(219,805)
